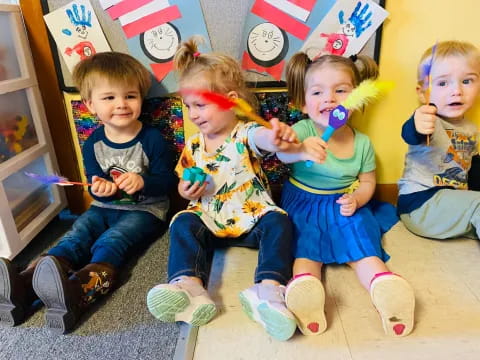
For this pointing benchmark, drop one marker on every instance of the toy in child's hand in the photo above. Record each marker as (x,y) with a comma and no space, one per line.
(54,179)
(239,106)
(193,175)
(367,91)
(426,76)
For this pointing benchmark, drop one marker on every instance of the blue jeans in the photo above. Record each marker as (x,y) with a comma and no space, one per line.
(192,245)
(107,235)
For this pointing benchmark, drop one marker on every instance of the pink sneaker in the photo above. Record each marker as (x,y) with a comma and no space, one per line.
(305,298)
(394,300)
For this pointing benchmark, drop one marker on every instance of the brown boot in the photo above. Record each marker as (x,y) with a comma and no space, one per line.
(65,297)
(96,279)
(16,292)
(60,296)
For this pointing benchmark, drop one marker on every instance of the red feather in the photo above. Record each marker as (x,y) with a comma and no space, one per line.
(222,101)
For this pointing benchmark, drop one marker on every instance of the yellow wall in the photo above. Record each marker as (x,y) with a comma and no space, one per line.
(413,26)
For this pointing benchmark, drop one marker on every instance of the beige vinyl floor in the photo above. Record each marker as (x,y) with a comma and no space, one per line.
(444,274)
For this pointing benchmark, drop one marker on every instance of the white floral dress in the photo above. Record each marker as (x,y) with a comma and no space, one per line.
(240,194)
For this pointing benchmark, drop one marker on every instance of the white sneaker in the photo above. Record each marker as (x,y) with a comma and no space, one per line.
(265,304)
(305,298)
(394,300)
(182,300)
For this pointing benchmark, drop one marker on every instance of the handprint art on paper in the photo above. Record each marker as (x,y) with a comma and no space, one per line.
(357,23)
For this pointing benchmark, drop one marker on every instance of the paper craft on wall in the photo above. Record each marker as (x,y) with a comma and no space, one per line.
(105,4)
(346,28)
(275,29)
(76,31)
(154,29)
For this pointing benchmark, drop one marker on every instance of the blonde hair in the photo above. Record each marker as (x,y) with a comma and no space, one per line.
(112,66)
(221,72)
(300,65)
(446,49)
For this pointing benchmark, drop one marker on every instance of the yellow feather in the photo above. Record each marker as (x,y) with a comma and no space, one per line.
(366,92)
(243,108)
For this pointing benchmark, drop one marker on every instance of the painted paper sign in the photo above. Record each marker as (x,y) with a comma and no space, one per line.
(155,30)
(346,28)
(76,31)
(276,29)
(105,4)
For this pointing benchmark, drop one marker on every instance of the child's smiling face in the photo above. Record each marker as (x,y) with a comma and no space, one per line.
(455,86)
(326,87)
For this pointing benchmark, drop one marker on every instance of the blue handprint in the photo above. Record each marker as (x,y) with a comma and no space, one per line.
(84,20)
(358,22)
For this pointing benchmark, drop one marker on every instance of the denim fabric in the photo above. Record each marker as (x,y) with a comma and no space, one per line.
(107,235)
(192,245)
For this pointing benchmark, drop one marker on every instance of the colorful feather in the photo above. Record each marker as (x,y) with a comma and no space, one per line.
(365,93)
(54,180)
(239,106)
(426,74)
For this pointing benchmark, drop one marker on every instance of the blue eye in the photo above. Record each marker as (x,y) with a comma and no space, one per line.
(442,83)
(467,81)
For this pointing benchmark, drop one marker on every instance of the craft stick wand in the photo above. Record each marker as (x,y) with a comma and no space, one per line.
(366,92)
(427,77)
(239,106)
(55,180)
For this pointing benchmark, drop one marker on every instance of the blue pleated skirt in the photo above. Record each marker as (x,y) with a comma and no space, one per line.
(322,234)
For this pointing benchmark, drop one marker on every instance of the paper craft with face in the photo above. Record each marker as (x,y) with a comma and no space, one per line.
(358,22)
(76,31)
(160,43)
(345,29)
(267,44)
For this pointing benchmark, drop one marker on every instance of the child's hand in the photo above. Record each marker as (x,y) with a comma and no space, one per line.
(348,204)
(189,191)
(281,135)
(424,118)
(130,182)
(314,149)
(102,187)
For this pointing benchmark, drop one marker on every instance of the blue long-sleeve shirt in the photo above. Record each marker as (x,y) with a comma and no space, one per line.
(147,154)
(444,163)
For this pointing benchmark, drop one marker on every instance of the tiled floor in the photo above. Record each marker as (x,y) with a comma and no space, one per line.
(444,274)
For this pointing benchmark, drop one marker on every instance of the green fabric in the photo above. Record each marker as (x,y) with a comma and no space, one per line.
(334,173)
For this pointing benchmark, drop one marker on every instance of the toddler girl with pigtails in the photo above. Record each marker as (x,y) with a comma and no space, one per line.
(232,208)
(335,220)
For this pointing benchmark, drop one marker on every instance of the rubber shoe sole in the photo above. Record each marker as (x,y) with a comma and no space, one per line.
(12,312)
(172,304)
(277,325)
(305,298)
(394,300)
(50,285)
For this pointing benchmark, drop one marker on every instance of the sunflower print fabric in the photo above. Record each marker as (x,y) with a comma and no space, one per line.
(238,194)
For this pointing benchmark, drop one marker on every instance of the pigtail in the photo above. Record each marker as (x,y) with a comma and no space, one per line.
(295,74)
(220,73)
(186,54)
(367,67)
